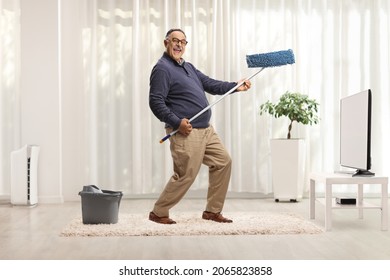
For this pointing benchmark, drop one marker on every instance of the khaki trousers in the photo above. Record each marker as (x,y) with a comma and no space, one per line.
(202,146)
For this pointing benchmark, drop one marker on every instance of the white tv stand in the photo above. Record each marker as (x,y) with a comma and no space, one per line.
(330,179)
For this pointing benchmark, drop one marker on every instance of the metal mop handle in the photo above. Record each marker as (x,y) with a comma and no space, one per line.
(211,105)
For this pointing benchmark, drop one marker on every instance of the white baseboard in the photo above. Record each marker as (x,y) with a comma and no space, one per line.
(6,199)
(50,199)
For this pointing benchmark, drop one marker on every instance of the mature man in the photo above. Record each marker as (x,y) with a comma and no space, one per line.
(177,92)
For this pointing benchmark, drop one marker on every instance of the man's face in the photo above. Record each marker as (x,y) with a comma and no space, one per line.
(175,45)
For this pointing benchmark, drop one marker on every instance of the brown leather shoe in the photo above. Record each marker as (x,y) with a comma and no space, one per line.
(216,217)
(161,220)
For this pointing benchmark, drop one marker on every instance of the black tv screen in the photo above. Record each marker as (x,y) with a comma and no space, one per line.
(355,132)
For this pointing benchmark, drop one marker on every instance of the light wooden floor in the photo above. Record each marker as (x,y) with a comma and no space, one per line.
(33,233)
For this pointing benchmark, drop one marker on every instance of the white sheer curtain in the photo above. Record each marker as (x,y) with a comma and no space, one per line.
(341,47)
(9,87)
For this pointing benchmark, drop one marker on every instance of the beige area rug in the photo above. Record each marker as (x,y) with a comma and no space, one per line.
(188,223)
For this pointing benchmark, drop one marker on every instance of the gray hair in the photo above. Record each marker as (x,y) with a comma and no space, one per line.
(173,30)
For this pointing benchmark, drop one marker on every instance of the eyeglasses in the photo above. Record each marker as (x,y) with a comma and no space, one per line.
(177,41)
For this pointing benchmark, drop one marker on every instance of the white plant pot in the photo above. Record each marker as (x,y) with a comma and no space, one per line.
(288,168)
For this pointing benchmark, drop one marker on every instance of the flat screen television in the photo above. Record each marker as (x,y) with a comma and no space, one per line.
(355,132)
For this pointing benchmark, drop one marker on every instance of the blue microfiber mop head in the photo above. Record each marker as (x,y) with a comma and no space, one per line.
(271,59)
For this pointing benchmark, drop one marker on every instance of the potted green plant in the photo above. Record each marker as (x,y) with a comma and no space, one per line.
(297,107)
(288,154)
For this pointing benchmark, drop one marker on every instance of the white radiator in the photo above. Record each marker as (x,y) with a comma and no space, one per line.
(24,176)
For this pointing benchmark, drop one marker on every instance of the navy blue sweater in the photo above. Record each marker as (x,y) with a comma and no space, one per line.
(178,91)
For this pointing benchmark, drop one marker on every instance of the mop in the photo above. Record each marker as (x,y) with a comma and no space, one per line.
(263,60)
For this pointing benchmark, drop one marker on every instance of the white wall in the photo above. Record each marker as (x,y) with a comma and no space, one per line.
(40,92)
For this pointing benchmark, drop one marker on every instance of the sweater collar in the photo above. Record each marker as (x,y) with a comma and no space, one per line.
(182,61)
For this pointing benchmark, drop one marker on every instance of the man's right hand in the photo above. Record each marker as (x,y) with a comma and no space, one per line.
(185,127)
